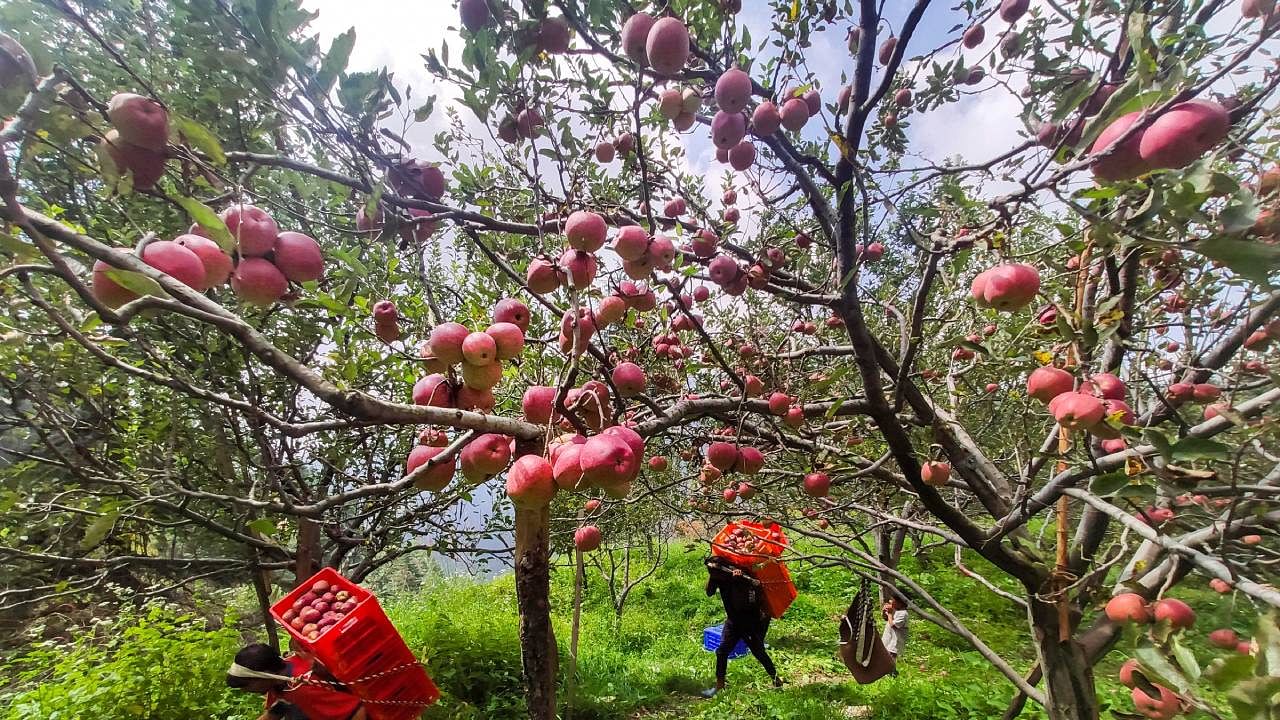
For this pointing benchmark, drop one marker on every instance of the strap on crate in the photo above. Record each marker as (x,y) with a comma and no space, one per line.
(306,678)
(241,671)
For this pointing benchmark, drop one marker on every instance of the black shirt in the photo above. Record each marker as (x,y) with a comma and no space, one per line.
(739,591)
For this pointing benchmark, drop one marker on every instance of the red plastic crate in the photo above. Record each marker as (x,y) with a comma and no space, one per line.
(362,646)
(775,581)
(773,541)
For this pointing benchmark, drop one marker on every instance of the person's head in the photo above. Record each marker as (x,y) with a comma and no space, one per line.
(897,602)
(262,658)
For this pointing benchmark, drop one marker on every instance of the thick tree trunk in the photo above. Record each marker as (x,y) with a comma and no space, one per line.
(307,555)
(538,652)
(1068,672)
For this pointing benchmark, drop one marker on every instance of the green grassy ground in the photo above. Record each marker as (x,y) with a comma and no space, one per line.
(652,665)
(150,666)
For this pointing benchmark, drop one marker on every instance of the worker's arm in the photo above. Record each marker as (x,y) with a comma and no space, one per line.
(360,714)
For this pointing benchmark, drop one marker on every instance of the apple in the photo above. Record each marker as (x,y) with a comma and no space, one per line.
(580,267)
(1205,391)
(529,123)
(658,463)
(585,230)
(258,282)
(139,120)
(1125,162)
(733,90)
(1006,287)
(765,119)
(433,390)
(1127,608)
(1219,585)
(434,478)
(974,36)
(1106,385)
(817,484)
(146,167)
(722,455)
(1179,614)
(1224,638)
(485,456)
(474,14)
(935,473)
(1126,672)
(217,264)
(553,36)
(1012,10)
(606,459)
(1046,383)
(727,130)
(587,538)
(254,230)
(1077,410)
(1163,708)
(530,483)
(629,379)
(635,34)
(730,494)
(667,46)
(298,256)
(446,341)
(778,403)
(794,114)
(479,348)
(418,179)
(508,340)
(1183,134)
(885,52)
(750,460)
(742,156)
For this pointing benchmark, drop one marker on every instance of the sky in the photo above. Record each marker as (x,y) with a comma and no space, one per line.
(394,34)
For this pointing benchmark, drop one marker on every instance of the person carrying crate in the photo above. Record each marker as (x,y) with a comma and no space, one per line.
(745,617)
(295,687)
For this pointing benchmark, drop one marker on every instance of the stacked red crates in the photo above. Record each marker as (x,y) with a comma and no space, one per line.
(775,580)
(360,648)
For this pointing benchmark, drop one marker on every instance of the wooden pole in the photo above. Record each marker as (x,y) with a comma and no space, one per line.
(577,623)
(538,653)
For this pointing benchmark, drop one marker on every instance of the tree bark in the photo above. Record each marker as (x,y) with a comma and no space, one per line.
(308,551)
(1068,673)
(538,652)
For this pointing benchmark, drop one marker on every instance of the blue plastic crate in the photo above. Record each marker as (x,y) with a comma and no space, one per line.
(711,642)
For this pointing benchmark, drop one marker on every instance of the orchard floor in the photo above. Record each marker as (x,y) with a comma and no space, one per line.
(151,665)
(651,664)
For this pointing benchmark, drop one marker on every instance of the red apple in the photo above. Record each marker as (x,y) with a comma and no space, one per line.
(530,483)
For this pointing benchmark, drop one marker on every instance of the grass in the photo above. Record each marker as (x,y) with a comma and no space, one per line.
(649,664)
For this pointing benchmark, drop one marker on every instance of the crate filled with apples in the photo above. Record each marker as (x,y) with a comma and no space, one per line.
(324,605)
(747,543)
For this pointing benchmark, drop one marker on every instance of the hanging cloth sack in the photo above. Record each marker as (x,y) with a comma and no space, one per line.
(860,647)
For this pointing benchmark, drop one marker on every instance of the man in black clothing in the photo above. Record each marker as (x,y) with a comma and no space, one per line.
(746,618)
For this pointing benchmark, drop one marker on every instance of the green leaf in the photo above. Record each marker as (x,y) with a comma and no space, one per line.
(206,218)
(1140,40)
(200,137)
(20,249)
(262,526)
(335,62)
(1247,258)
(1194,448)
(98,529)
(135,282)
(1186,659)
(1157,668)
(1240,213)
(1225,672)
(1109,484)
(1158,439)
(424,112)
(1252,699)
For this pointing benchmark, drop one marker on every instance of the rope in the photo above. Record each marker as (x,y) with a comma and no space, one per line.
(307,679)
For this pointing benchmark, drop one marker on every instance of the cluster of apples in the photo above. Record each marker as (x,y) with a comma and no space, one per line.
(610,460)
(321,607)
(1182,392)
(137,140)
(1178,137)
(726,457)
(266,261)
(785,407)
(480,354)
(1099,398)
(1127,608)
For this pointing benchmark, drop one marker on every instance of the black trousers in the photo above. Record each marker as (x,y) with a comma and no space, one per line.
(751,633)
